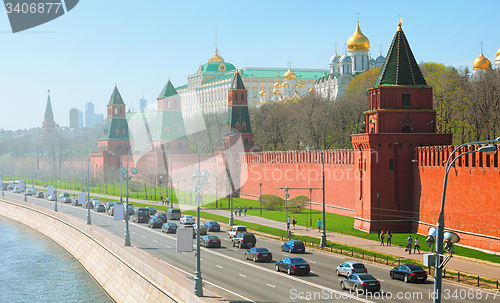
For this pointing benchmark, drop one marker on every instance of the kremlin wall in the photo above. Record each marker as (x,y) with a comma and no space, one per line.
(392,179)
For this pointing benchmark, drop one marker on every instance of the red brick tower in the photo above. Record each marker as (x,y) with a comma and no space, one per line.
(48,125)
(400,118)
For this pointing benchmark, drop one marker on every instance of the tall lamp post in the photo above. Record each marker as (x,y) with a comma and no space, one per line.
(323,232)
(125,172)
(260,198)
(26,183)
(489,150)
(89,219)
(55,184)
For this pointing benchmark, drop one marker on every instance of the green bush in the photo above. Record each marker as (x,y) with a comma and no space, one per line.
(272,202)
(297,204)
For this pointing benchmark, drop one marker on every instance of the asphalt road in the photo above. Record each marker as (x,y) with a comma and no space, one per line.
(226,272)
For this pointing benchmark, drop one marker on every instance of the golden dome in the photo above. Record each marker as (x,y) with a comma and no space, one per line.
(311,91)
(216,58)
(276,92)
(302,85)
(277,85)
(289,75)
(285,84)
(358,41)
(498,55)
(481,63)
(262,93)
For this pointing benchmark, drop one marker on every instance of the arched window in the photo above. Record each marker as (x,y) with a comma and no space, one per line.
(407,129)
(117,132)
(124,132)
(175,103)
(237,126)
(235,97)
(179,129)
(391,164)
(121,111)
(167,129)
(246,142)
(243,126)
(116,111)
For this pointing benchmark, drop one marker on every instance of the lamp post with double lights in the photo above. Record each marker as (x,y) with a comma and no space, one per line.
(449,237)
(125,172)
(323,232)
(89,219)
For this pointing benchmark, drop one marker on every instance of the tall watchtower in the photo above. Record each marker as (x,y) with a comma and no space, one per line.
(400,118)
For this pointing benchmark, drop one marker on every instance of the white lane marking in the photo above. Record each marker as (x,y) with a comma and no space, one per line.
(155,241)
(169,246)
(208,282)
(219,266)
(271,285)
(242,275)
(144,237)
(116,225)
(312,262)
(296,279)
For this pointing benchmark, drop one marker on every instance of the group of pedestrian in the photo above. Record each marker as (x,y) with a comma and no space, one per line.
(292,221)
(410,242)
(239,210)
(387,235)
(164,200)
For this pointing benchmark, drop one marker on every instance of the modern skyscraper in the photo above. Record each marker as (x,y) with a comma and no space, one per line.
(75,118)
(89,114)
(143,103)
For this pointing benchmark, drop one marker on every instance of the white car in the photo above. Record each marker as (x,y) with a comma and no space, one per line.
(95,201)
(187,219)
(237,229)
(51,198)
(17,190)
(31,191)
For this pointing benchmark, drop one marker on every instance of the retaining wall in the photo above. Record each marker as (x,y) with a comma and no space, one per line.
(126,273)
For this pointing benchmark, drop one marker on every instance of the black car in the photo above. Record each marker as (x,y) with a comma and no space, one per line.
(39,195)
(212,225)
(244,240)
(162,216)
(169,228)
(100,208)
(210,241)
(294,246)
(155,223)
(152,210)
(293,266)
(360,282)
(408,273)
(259,254)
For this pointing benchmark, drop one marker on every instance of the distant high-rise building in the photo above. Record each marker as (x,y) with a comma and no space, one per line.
(143,103)
(75,118)
(89,114)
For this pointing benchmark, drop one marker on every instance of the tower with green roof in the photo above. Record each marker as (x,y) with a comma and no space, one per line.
(400,118)
(168,127)
(115,132)
(48,124)
(238,118)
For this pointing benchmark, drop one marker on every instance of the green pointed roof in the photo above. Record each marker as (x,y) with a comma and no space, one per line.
(400,66)
(48,109)
(237,82)
(168,90)
(115,98)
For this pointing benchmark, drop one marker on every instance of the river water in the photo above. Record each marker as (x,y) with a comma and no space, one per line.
(33,268)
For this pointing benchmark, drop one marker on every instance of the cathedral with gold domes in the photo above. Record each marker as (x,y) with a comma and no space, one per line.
(482,64)
(356,60)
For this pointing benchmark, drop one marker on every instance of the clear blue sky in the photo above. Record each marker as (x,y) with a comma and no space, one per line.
(139,44)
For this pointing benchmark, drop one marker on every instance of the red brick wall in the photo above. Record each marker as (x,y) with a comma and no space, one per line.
(472,207)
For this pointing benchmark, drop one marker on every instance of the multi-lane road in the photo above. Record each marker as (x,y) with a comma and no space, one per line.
(226,272)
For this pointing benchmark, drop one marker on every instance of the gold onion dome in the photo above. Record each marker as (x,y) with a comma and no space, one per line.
(498,55)
(358,41)
(289,75)
(216,58)
(285,84)
(481,63)
(311,91)
(277,85)
(262,93)
(276,92)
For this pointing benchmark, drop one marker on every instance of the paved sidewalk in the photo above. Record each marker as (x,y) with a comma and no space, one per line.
(477,267)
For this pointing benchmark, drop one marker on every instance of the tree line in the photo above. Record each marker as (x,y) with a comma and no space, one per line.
(467,106)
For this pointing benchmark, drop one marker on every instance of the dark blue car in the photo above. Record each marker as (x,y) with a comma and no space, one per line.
(212,225)
(294,246)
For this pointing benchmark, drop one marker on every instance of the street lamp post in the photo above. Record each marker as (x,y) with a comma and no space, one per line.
(89,220)
(323,232)
(489,150)
(378,213)
(55,184)
(26,183)
(125,172)
(260,198)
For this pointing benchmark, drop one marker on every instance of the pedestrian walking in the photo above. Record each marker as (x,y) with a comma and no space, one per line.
(239,210)
(319,225)
(409,243)
(382,236)
(288,223)
(168,200)
(389,237)
(294,222)
(416,246)
(162,201)
(245,210)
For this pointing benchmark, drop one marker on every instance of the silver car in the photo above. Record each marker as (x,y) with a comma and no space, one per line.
(348,268)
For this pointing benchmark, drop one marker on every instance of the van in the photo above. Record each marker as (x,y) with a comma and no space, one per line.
(141,215)
(173,214)
(236,230)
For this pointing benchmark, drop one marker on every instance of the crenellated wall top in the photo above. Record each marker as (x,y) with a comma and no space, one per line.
(330,157)
(437,156)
